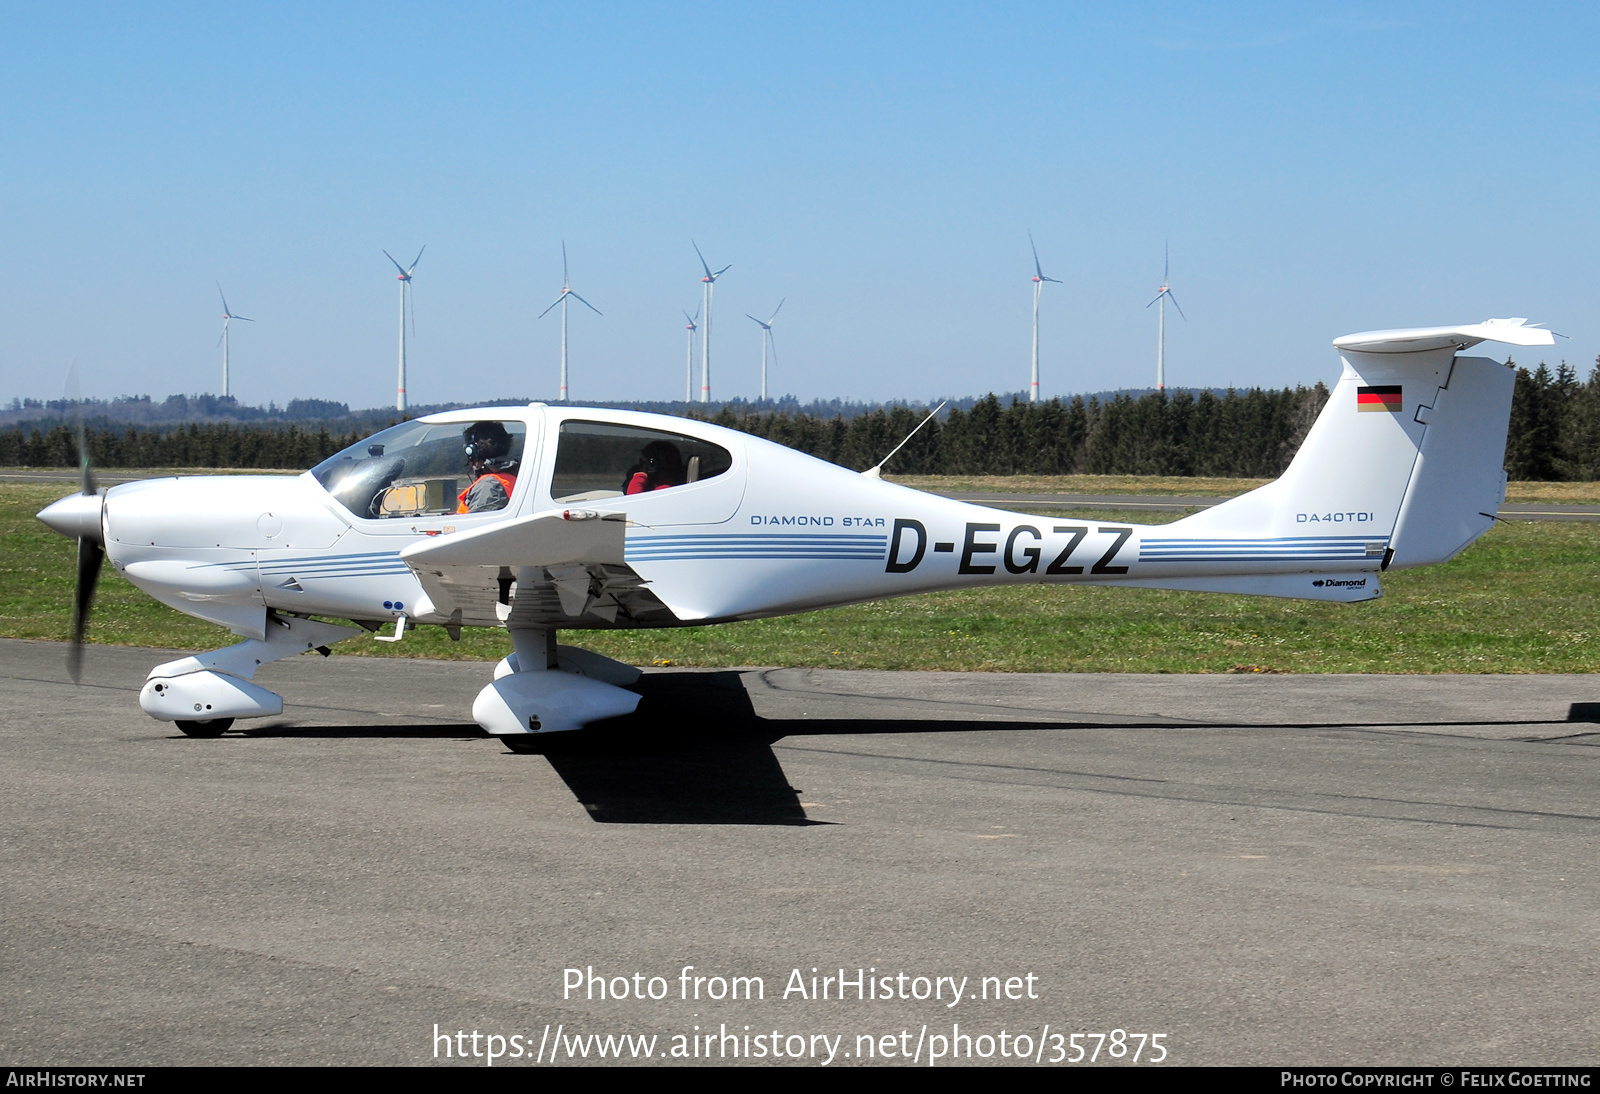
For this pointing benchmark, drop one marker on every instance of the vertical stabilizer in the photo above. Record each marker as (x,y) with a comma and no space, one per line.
(1407,454)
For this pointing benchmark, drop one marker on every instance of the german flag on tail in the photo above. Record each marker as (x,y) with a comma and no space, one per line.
(1382,399)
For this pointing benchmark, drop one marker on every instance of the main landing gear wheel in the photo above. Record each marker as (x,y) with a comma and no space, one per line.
(212,727)
(516,742)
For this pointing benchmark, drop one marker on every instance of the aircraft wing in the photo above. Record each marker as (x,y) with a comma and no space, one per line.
(544,569)
(543,539)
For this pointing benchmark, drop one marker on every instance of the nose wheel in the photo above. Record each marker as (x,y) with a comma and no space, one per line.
(212,727)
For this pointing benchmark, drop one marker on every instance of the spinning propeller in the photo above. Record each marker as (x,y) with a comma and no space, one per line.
(91,554)
(78,516)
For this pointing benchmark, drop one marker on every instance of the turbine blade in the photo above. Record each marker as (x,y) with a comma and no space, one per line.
(546,312)
(584,302)
(224,298)
(703,263)
(1036,267)
(756,321)
(722,271)
(1052,280)
(246,318)
(564,277)
(1174,300)
(1159,295)
(414,261)
(1166,262)
(223,335)
(775,312)
(397,265)
(773,339)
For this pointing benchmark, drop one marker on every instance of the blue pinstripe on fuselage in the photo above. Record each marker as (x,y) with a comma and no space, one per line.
(664,548)
(1286,549)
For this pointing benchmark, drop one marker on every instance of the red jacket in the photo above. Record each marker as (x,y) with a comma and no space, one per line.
(641,482)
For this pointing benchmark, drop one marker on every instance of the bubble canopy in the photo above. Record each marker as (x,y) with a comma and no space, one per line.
(417,454)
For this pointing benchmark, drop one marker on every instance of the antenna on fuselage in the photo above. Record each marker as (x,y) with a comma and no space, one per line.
(876,472)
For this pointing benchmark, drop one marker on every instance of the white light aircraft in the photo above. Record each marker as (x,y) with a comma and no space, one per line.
(541,518)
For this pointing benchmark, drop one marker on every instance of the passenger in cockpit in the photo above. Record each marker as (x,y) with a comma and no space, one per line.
(494,470)
(660,466)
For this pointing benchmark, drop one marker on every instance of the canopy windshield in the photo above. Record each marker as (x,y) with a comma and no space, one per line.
(413,469)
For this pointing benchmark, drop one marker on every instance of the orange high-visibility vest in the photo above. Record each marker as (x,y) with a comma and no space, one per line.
(507,481)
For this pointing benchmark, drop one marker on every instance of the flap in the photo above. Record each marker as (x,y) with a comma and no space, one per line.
(560,568)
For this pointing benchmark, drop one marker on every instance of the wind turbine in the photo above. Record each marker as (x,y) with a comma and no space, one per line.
(688,367)
(1162,296)
(566,291)
(710,280)
(227,317)
(766,337)
(405,286)
(1038,286)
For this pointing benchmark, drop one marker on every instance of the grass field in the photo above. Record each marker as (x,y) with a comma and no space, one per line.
(1523,599)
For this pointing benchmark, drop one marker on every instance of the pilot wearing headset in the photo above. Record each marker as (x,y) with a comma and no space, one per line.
(494,470)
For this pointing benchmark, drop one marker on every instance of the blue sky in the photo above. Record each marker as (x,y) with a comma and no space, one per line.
(1317,170)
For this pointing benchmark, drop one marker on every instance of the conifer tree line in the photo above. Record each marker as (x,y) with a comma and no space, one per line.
(1240,434)
(210,445)
(1555,435)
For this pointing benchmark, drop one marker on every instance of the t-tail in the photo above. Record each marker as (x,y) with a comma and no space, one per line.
(1404,467)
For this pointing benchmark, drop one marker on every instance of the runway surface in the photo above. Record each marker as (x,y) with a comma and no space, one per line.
(1265,869)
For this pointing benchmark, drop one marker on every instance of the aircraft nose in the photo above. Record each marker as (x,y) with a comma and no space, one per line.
(76,516)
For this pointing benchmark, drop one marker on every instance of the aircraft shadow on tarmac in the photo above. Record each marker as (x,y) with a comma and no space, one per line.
(696,751)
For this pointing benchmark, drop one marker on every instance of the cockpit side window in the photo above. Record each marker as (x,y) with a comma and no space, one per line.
(419,469)
(596,460)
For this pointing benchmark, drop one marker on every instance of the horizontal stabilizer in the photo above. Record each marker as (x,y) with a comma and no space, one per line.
(1515,332)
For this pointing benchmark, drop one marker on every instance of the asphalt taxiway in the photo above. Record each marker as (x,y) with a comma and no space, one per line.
(1265,869)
